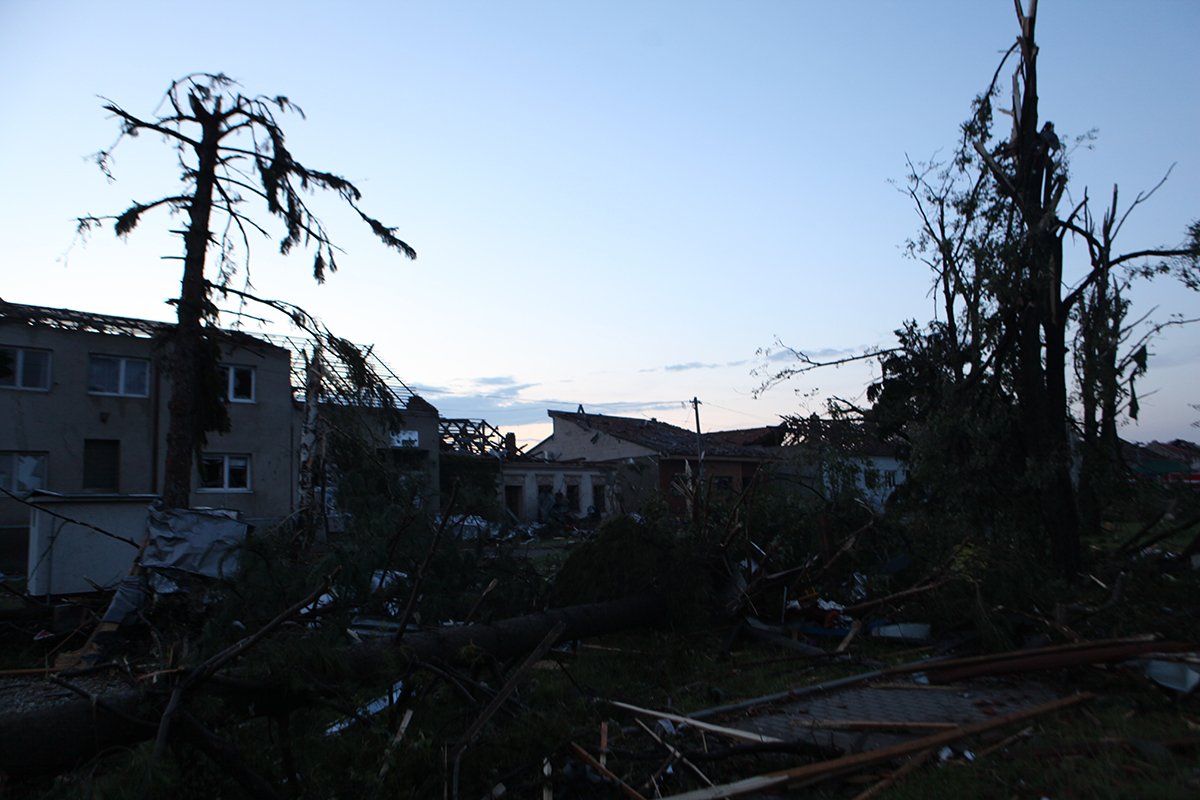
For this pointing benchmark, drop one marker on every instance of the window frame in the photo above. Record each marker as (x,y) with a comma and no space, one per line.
(12,469)
(230,371)
(18,367)
(122,373)
(225,487)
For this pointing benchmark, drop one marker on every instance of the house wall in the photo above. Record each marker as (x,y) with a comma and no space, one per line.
(423,425)
(266,429)
(731,475)
(875,477)
(570,441)
(58,421)
(527,487)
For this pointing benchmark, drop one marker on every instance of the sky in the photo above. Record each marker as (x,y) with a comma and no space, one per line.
(615,204)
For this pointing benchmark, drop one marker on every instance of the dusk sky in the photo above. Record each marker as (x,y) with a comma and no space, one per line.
(615,204)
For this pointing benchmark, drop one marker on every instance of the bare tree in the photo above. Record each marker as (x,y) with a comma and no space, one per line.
(231,152)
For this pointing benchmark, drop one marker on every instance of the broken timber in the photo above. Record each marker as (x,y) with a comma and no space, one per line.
(839,766)
(49,738)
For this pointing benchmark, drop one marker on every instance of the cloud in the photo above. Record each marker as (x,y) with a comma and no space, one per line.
(691,365)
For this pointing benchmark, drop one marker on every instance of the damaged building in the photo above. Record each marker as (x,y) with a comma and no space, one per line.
(642,457)
(83,419)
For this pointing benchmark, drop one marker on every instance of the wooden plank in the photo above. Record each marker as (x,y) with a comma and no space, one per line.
(606,772)
(732,733)
(827,769)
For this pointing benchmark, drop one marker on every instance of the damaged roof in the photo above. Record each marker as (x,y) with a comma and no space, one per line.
(67,319)
(662,437)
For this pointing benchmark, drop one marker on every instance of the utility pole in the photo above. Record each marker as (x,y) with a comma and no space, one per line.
(699,445)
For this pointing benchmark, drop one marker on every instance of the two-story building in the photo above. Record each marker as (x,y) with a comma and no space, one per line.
(83,413)
(83,410)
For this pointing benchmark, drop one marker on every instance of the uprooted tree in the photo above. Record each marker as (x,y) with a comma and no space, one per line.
(231,151)
(983,393)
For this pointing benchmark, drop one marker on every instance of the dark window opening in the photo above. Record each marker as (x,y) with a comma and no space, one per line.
(101,465)
(512,499)
(545,501)
(231,472)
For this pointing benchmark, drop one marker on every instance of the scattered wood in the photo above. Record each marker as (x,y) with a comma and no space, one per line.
(838,766)
(606,772)
(53,738)
(732,733)
(891,780)
(1005,742)
(509,687)
(774,635)
(210,666)
(892,598)
(874,725)
(395,741)
(855,627)
(1054,657)
(675,752)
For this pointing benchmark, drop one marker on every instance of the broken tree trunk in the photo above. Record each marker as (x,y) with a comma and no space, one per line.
(44,738)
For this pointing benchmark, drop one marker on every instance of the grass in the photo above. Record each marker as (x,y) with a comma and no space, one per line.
(1111,748)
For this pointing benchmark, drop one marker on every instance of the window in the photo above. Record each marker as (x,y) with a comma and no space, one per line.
(101,463)
(23,368)
(21,473)
(406,439)
(224,472)
(239,383)
(127,377)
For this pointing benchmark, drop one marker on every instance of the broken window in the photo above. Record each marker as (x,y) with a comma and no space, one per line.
(573,498)
(598,498)
(101,465)
(239,384)
(224,472)
(24,368)
(115,375)
(21,473)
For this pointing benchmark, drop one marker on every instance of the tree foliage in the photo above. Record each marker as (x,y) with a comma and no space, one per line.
(985,388)
(232,154)
(1000,434)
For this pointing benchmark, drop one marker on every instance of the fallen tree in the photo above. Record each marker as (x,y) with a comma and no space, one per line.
(80,719)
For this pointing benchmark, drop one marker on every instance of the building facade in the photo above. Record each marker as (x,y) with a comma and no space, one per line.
(83,410)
